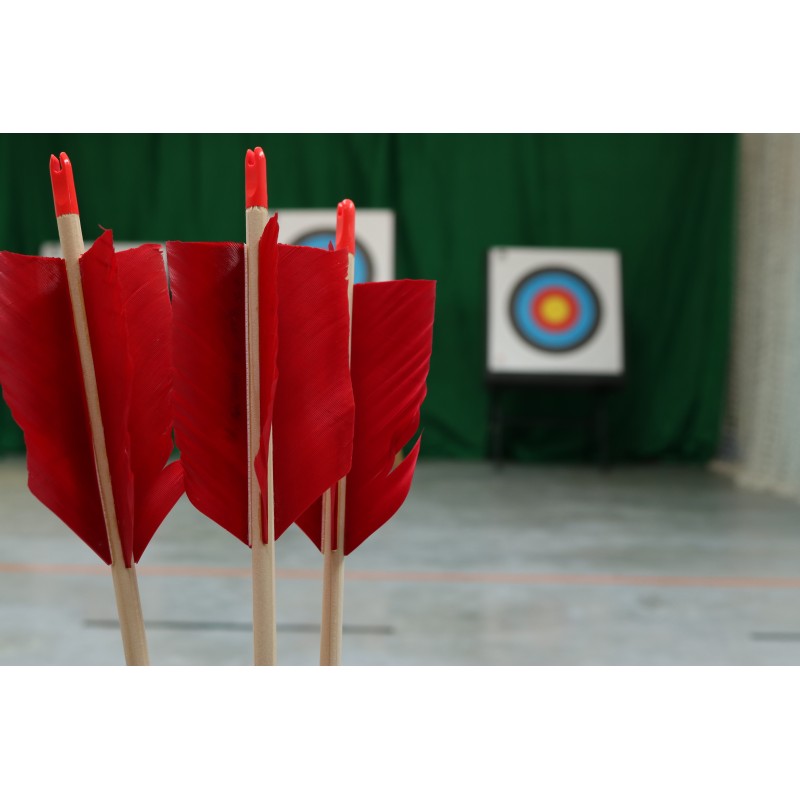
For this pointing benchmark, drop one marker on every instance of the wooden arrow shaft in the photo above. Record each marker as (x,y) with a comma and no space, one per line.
(263,552)
(330,643)
(126,588)
(330,647)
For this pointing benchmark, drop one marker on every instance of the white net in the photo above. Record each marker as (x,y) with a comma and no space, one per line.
(761,439)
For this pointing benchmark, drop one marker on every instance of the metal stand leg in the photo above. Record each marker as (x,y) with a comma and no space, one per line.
(497,425)
(602,429)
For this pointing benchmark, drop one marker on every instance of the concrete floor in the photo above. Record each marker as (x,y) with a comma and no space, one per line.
(529,565)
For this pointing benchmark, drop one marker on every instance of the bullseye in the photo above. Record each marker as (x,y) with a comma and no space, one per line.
(555,309)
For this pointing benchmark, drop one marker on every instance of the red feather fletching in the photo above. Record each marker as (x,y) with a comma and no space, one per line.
(312,424)
(43,387)
(207,282)
(148,313)
(128,314)
(268,324)
(391,350)
(305,392)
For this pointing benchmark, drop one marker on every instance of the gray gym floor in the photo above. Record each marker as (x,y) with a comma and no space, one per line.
(527,565)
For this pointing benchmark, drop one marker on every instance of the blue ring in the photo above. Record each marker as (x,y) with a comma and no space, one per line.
(587,316)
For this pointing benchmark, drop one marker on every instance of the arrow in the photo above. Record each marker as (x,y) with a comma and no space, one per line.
(334,499)
(88,379)
(261,533)
(391,341)
(297,324)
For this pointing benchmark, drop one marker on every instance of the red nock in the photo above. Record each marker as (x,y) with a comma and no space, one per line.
(64,196)
(346,227)
(255,179)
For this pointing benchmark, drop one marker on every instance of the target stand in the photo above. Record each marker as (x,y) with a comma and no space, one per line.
(553,322)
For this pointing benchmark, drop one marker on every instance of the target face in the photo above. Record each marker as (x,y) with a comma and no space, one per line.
(374,257)
(363,262)
(554,313)
(555,309)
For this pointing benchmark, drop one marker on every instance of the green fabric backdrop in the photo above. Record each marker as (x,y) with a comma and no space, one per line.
(665,201)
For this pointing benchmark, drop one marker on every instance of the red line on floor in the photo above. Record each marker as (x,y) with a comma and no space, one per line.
(525,578)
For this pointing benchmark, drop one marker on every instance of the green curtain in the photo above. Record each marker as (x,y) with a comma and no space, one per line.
(665,201)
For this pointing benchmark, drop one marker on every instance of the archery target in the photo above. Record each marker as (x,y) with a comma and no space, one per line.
(555,309)
(374,259)
(554,312)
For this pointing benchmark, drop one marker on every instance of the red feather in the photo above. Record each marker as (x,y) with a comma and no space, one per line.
(128,316)
(391,350)
(43,387)
(268,326)
(303,364)
(208,291)
(312,424)
(113,370)
(148,313)
(207,282)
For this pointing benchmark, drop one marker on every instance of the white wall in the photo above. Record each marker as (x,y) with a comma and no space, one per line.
(761,442)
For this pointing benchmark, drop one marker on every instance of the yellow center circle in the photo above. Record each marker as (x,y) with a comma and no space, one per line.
(554,309)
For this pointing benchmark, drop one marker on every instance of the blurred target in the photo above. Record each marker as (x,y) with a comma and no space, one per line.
(553,313)
(555,309)
(363,263)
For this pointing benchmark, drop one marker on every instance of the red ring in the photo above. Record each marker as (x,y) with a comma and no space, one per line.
(536,309)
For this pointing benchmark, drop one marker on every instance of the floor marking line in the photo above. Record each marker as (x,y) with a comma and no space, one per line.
(521,578)
(244,627)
